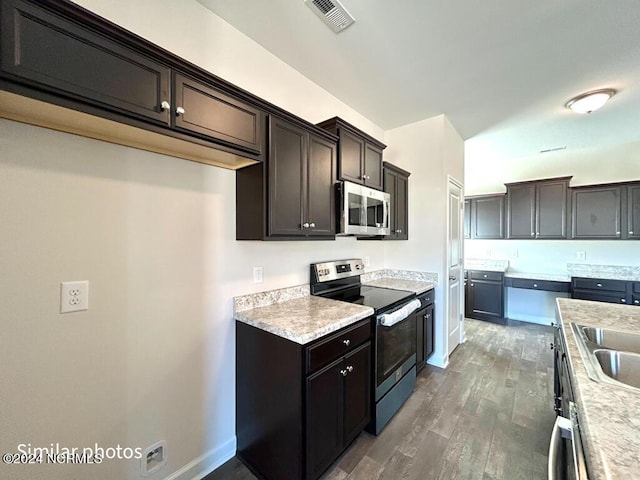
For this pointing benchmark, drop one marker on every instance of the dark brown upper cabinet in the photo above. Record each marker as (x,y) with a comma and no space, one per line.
(484,217)
(58,55)
(633,212)
(63,67)
(292,196)
(206,111)
(609,211)
(359,154)
(596,212)
(396,184)
(537,209)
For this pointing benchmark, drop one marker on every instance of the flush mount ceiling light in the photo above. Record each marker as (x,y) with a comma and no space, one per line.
(590,101)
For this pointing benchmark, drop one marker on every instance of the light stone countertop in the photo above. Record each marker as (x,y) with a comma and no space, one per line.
(486,265)
(304,319)
(610,272)
(609,415)
(552,277)
(400,284)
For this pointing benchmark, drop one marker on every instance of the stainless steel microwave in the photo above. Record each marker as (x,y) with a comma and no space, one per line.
(363,210)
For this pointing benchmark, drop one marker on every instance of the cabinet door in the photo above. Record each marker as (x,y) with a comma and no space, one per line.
(373,166)
(287,156)
(467,219)
(65,58)
(217,116)
(420,338)
(596,213)
(390,186)
(402,208)
(429,340)
(321,179)
(350,157)
(633,212)
(486,300)
(608,297)
(488,217)
(551,210)
(325,398)
(521,201)
(357,392)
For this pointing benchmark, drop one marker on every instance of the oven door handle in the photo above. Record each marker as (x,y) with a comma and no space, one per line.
(561,425)
(390,319)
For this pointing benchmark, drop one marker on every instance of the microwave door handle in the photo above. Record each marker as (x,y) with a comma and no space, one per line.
(385,215)
(363,212)
(560,424)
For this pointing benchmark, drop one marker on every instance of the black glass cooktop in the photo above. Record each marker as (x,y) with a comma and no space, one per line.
(378,298)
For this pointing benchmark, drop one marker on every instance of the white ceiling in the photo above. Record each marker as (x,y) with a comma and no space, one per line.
(501,70)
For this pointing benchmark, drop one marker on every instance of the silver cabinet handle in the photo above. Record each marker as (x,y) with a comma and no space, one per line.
(472,284)
(617,233)
(350,368)
(366,177)
(637,302)
(305,225)
(398,231)
(535,285)
(343,373)
(533,234)
(631,232)
(180,111)
(312,225)
(485,275)
(164,106)
(452,278)
(347,342)
(598,284)
(623,300)
(551,345)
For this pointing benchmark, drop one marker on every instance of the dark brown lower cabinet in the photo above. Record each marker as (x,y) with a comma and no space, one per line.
(298,407)
(424,329)
(604,290)
(484,296)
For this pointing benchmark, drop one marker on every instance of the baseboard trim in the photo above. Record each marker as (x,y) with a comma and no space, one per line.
(440,362)
(206,463)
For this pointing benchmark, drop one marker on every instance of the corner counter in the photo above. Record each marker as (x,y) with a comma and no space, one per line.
(609,415)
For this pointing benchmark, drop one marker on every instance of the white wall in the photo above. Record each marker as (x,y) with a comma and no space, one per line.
(431,150)
(153,357)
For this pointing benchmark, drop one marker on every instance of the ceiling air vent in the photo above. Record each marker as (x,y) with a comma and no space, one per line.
(332,13)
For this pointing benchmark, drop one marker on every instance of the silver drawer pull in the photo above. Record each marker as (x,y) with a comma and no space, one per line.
(623,300)
(485,276)
(535,285)
(347,342)
(637,302)
(598,284)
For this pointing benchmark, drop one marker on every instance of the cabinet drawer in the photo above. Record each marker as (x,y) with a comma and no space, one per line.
(530,284)
(600,284)
(606,296)
(426,298)
(332,347)
(636,287)
(485,275)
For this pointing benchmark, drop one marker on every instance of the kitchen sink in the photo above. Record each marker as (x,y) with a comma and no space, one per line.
(610,356)
(621,366)
(613,339)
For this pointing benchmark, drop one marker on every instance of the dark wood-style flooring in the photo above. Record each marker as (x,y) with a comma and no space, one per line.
(488,416)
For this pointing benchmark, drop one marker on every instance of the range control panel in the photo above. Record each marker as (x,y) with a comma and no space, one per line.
(326,271)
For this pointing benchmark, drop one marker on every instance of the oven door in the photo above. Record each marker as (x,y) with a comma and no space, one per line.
(395,352)
(364,211)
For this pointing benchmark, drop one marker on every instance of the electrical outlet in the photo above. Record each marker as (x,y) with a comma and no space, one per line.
(74,296)
(154,457)
(257,274)
(367,261)
(581,255)
(514,253)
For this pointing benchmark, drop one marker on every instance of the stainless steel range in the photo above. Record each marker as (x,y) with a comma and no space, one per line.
(394,361)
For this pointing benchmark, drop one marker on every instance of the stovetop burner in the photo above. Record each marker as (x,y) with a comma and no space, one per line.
(340,280)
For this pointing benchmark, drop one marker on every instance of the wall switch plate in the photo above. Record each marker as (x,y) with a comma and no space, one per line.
(154,457)
(257,274)
(514,253)
(581,255)
(74,296)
